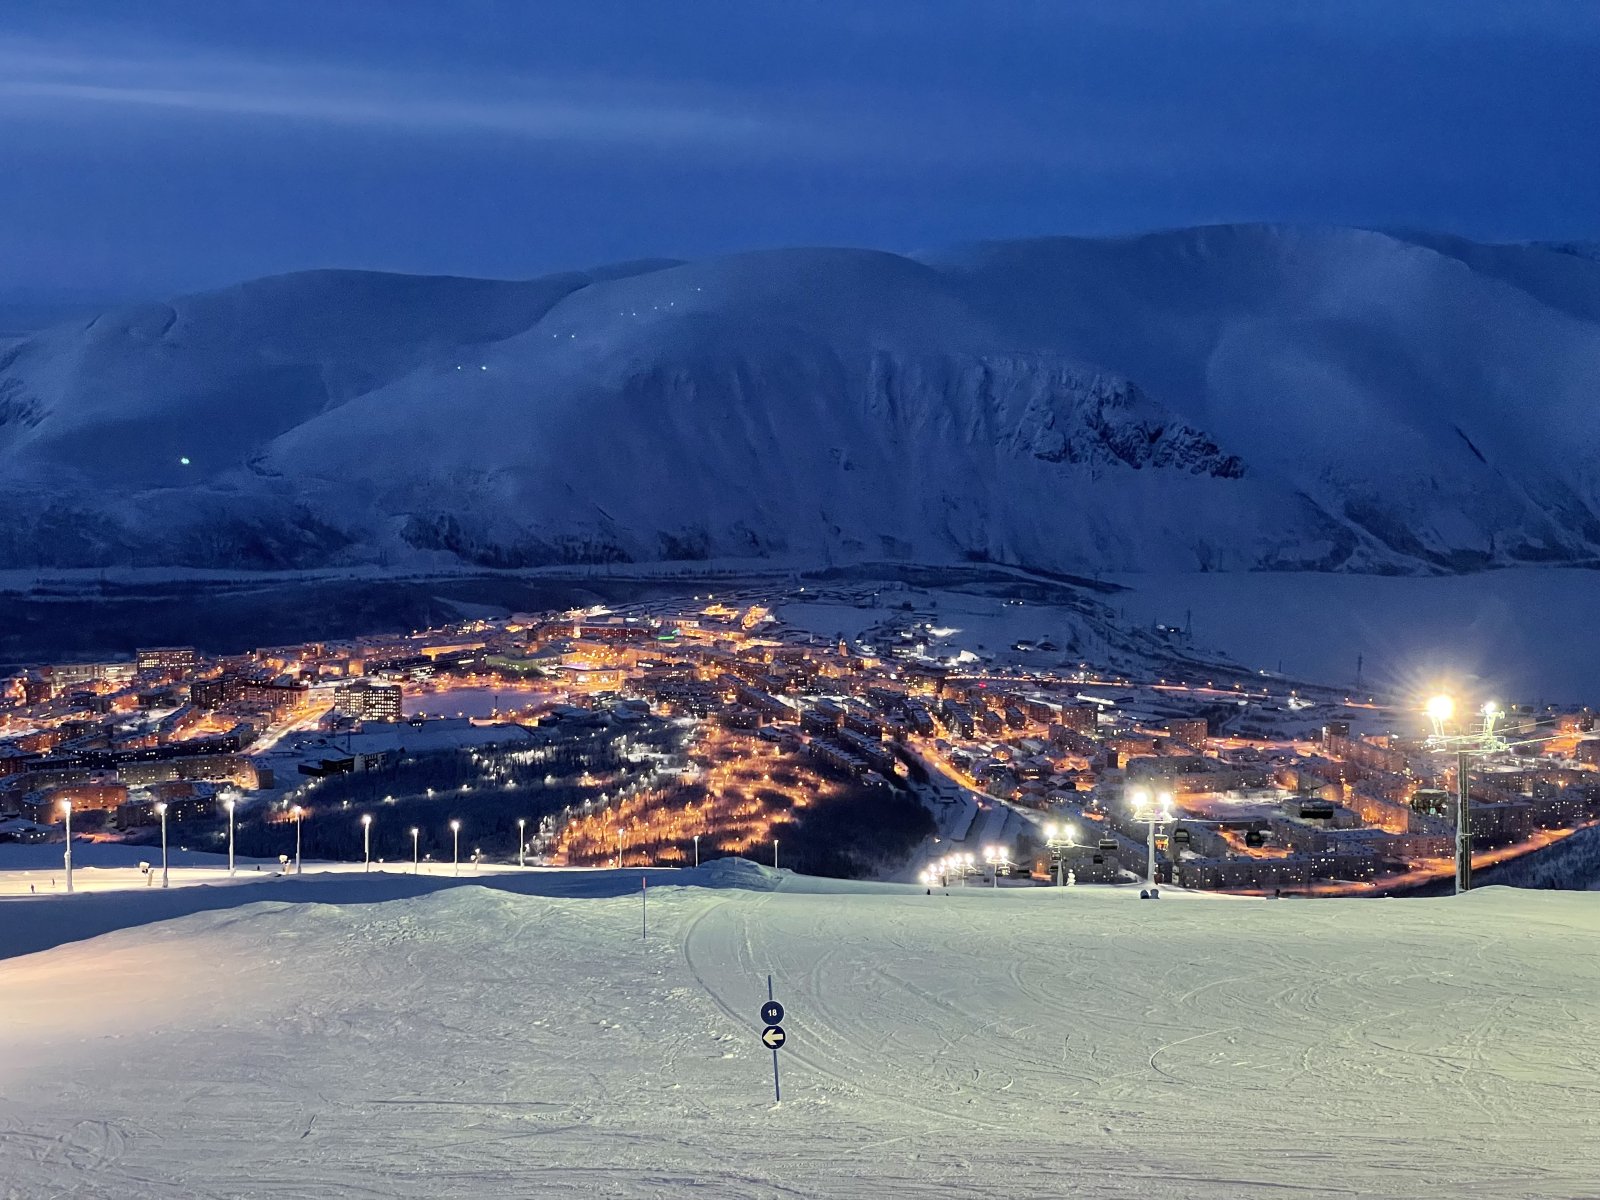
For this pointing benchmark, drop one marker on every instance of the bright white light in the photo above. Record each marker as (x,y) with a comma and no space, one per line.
(1441,708)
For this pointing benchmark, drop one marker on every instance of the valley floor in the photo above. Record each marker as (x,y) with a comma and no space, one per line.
(493,1041)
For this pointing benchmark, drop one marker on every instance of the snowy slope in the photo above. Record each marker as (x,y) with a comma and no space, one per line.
(1222,398)
(478,1043)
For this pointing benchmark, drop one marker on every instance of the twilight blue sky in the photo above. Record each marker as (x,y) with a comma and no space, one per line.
(164,145)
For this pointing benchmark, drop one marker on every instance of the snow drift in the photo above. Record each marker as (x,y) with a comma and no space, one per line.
(1237,397)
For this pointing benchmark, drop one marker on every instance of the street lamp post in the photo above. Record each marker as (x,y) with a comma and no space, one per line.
(522,841)
(161,811)
(366,841)
(66,807)
(229,805)
(996,857)
(774,854)
(416,862)
(455,837)
(298,814)
(1482,741)
(1143,812)
(1059,839)
(697,850)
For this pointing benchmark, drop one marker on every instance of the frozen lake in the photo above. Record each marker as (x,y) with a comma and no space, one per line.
(1522,635)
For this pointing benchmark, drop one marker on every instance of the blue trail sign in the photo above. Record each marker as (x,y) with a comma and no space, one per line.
(772,1036)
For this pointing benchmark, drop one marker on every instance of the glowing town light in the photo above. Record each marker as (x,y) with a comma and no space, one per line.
(66,809)
(161,811)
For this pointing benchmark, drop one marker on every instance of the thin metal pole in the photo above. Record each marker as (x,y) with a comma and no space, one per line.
(777,1092)
(1463,826)
(644,908)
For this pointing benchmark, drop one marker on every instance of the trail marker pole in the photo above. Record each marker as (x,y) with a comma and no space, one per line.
(772,1036)
(644,907)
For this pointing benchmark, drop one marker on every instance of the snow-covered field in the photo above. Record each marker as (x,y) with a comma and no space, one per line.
(1219,398)
(522,1039)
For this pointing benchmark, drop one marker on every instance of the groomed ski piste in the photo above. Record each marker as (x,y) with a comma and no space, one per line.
(524,1034)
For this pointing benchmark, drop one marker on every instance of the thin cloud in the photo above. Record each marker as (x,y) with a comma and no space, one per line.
(44,80)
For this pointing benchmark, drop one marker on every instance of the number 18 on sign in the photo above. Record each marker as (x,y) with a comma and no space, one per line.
(772,1035)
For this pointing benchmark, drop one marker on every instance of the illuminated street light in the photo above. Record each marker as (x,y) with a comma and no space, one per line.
(298,814)
(66,807)
(522,841)
(1440,709)
(161,811)
(416,861)
(1155,816)
(229,805)
(366,840)
(455,833)
(1481,741)
(1058,840)
(996,857)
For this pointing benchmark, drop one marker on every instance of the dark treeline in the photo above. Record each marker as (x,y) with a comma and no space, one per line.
(853,835)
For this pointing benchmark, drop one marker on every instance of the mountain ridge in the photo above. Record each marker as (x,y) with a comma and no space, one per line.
(1220,398)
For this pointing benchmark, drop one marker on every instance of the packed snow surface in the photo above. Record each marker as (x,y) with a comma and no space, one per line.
(481,1041)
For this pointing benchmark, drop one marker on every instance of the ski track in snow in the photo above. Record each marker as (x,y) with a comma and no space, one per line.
(478,1043)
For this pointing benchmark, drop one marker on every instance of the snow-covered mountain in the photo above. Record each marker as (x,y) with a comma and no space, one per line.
(1233,397)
